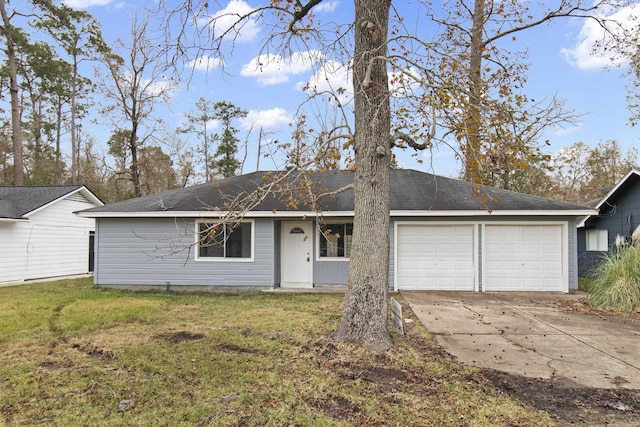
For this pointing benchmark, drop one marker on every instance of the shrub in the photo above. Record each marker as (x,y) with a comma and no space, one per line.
(616,280)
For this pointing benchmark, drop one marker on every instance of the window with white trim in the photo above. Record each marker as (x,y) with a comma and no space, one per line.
(335,240)
(597,240)
(221,241)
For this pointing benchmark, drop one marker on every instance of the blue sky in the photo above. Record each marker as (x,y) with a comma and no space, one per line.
(562,63)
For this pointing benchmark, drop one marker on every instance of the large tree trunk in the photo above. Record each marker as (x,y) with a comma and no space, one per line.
(16,126)
(473,147)
(75,149)
(135,167)
(364,315)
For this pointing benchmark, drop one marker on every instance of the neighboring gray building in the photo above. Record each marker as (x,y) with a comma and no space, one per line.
(618,214)
(40,236)
(444,236)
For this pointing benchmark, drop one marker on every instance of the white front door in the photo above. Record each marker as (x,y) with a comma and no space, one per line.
(297,254)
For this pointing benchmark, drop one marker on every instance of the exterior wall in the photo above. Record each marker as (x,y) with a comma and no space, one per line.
(620,216)
(161,252)
(53,242)
(328,271)
(588,259)
(13,249)
(155,252)
(276,253)
(336,272)
(573,253)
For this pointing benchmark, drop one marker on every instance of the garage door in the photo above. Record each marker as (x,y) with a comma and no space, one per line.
(435,257)
(523,258)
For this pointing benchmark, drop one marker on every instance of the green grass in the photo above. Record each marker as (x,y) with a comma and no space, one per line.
(616,281)
(72,354)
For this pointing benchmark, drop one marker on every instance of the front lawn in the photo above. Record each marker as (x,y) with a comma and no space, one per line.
(72,354)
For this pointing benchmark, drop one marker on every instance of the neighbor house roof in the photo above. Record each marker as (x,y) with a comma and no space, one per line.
(18,202)
(412,193)
(630,179)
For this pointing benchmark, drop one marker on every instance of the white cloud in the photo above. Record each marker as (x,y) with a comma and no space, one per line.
(270,69)
(326,6)
(226,21)
(205,63)
(566,130)
(163,88)
(157,88)
(271,120)
(334,78)
(586,54)
(83,4)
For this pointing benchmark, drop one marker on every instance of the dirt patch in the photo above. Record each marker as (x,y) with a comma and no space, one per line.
(232,348)
(180,336)
(94,352)
(583,306)
(569,403)
(374,374)
(336,407)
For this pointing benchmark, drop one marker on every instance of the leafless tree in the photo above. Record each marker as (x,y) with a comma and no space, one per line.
(138,85)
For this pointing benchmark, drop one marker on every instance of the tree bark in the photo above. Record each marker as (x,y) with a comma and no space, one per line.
(16,126)
(135,167)
(75,149)
(364,315)
(473,147)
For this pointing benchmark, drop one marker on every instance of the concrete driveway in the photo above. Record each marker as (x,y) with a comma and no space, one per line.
(527,334)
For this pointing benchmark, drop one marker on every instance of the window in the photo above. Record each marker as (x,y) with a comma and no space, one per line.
(597,240)
(335,240)
(218,241)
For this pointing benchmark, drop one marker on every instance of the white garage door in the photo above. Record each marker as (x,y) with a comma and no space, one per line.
(435,257)
(523,258)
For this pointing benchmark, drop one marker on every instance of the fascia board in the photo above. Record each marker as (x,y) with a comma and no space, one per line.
(305,214)
(493,213)
(14,219)
(84,190)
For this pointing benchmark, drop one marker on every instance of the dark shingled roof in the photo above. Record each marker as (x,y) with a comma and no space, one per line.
(410,191)
(15,202)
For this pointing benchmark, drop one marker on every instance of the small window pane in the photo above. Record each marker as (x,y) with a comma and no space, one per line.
(335,241)
(211,241)
(239,241)
(597,240)
(224,241)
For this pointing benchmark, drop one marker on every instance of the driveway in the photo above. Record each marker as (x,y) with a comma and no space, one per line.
(528,334)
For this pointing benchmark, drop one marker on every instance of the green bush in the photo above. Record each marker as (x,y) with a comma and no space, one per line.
(616,280)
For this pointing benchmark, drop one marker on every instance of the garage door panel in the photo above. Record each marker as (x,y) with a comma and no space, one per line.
(523,258)
(442,258)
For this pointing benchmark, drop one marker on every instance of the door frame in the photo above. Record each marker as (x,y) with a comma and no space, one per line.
(284,232)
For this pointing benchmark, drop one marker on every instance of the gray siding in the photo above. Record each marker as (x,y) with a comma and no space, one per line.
(573,252)
(587,260)
(276,254)
(161,252)
(330,272)
(620,216)
(158,251)
(480,255)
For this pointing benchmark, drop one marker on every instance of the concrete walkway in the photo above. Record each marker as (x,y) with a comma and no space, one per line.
(527,334)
